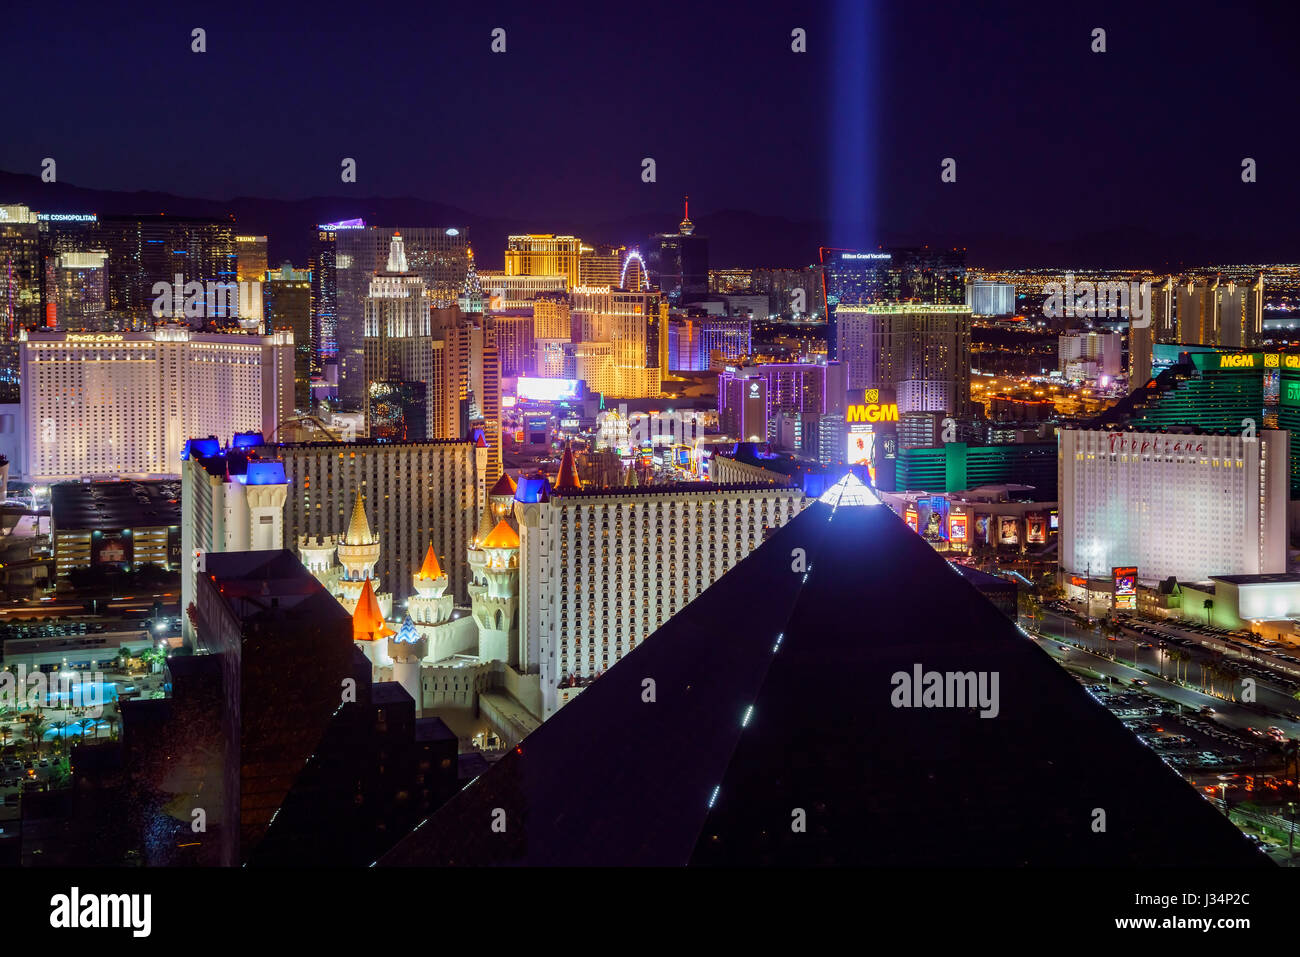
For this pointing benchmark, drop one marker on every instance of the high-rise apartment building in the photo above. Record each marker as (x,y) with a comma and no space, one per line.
(921,352)
(1089,355)
(991,298)
(122,404)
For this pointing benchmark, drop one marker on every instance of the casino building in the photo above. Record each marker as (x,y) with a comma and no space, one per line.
(123,404)
(1179,502)
(601,569)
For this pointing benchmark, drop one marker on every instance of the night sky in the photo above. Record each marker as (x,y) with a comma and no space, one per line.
(1051,140)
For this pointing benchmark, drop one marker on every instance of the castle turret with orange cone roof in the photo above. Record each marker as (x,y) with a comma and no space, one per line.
(430,605)
(367,620)
(494,594)
(567,480)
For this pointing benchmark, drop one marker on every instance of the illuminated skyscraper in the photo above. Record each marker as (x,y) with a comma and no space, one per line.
(917,274)
(398,342)
(251,267)
(77,290)
(603,568)
(287,295)
(544,254)
(325,292)
(635,324)
(515,344)
(415,493)
(922,352)
(552,317)
(601,265)
(123,404)
(438,256)
(144,250)
(21,290)
(678,263)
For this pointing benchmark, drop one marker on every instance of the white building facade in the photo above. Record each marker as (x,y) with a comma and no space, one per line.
(602,569)
(108,405)
(1186,504)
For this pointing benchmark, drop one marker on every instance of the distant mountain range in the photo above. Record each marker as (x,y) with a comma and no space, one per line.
(736,237)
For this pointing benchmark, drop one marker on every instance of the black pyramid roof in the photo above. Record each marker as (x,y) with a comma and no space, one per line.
(773,696)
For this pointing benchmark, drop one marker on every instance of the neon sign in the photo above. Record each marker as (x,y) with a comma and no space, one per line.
(875,412)
(1237,361)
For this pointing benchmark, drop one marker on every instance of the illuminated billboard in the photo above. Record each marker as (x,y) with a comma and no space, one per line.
(910,517)
(1125,580)
(861,446)
(871,409)
(1008,531)
(1035,529)
(548,390)
(957,526)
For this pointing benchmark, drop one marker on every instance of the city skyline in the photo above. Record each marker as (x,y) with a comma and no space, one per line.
(768,435)
(833,136)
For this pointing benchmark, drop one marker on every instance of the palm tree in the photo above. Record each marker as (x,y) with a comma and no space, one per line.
(1207,605)
(1179,657)
(5,730)
(36,730)
(1231,676)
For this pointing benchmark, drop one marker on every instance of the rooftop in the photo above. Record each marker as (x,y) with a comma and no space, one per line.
(110,506)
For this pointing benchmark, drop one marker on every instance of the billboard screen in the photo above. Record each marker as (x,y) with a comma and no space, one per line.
(548,390)
(1008,533)
(910,517)
(957,526)
(1035,529)
(1125,587)
(861,445)
(111,548)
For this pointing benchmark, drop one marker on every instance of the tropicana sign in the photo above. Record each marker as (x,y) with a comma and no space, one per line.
(1152,443)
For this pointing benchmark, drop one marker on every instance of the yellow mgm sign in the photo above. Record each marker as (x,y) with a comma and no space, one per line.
(872,409)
